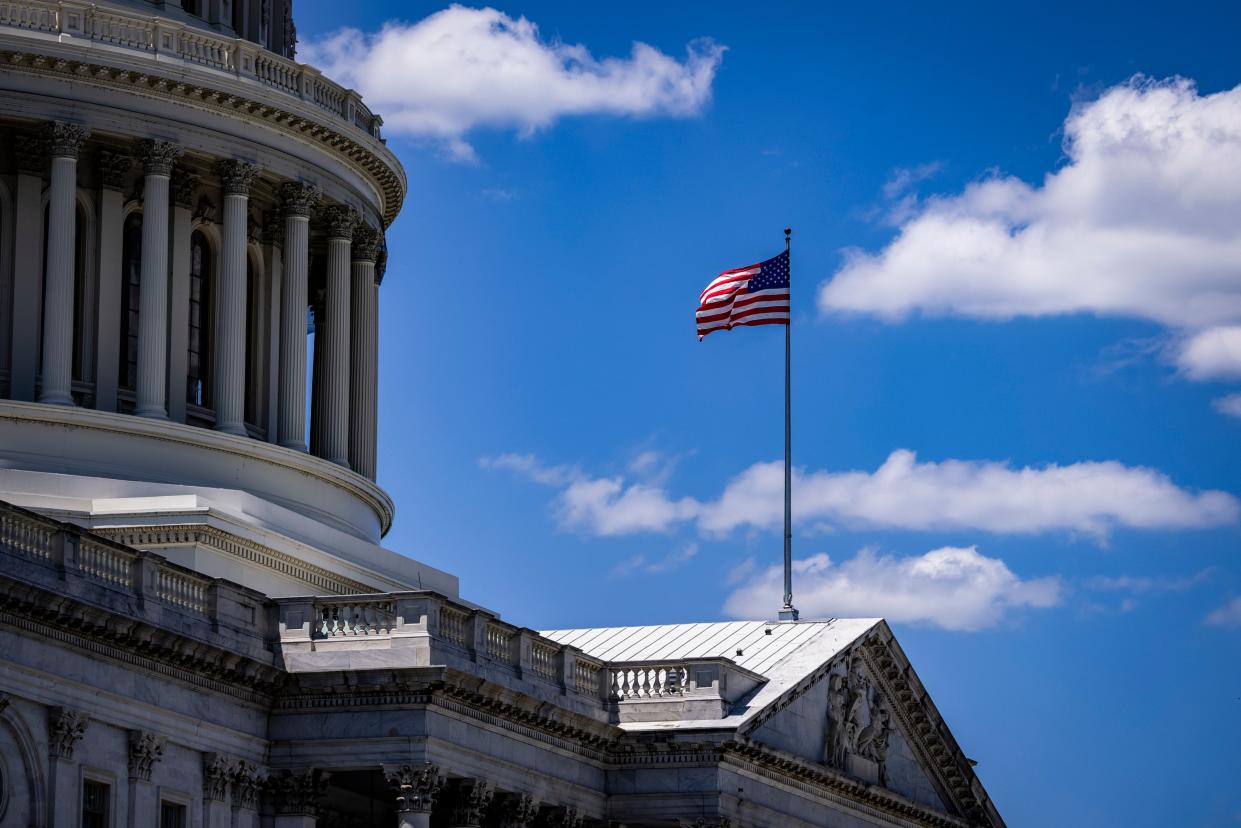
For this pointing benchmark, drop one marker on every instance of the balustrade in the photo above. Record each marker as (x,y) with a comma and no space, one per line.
(586,676)
(182,589)
(453,625)
(647,682)
(25,536)
(500,643)
(105,563)
(543,660)
(360,618)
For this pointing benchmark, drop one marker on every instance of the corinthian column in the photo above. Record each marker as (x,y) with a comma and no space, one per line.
(416,787)
(334,431)
(152,386)
(299,199)
(363,351)
(65,140)
(230,329)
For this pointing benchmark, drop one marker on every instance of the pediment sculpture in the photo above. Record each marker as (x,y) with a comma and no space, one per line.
(859,724)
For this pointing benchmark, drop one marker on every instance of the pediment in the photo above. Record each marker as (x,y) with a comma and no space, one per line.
(866,715)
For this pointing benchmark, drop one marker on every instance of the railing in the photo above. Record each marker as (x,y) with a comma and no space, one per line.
(648,681)
(586,676)
(453,625)
(105,563)
(350,619)
(543,660)
(500,643)
(154,35)
(26,537)
(182,589)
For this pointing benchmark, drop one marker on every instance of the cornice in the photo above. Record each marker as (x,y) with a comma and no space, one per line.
(239,547)
(376,162)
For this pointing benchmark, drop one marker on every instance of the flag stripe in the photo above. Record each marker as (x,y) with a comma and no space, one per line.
(757,294)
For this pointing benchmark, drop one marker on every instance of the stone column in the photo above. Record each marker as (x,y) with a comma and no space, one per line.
(298,199)
(229,365)
(113,169)
(363,352)
(273,267)
(184,192)
(247,782)
(30,156)
(57,368)
(217,773)
(152,385)
(145,751)
(65,728)
(334,431)
(296,797)
(416,787)
(317,395)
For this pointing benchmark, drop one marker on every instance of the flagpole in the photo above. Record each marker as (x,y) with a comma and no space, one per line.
(787,612)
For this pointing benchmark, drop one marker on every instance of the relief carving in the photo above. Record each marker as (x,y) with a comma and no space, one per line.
(859,724)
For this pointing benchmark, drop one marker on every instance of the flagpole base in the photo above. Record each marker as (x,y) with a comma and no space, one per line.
(787,613)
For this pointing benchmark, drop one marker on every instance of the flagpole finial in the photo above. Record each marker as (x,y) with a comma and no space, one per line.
(788,231)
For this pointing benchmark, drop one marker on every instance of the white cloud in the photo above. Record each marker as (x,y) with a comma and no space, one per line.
(1145,585)
(1092,498)
(953,588)
(640,563)
(1212,354)
(1229,615)
(462,68)
(1230,405)
(1140,222)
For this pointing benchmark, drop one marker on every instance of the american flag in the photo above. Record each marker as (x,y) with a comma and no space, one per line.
(754,295)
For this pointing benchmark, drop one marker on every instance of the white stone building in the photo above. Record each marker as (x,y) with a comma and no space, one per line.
(199,626)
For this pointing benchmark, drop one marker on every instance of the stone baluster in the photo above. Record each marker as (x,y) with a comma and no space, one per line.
(230,330)
(416,788)
(152,385)
(113,171)
(334,430)
(146,749)
(65,140)
(299,200)
(364,352)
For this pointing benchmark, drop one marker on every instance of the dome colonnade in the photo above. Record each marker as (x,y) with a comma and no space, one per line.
(172,204)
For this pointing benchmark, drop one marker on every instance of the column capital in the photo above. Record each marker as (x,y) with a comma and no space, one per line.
(113,167)
(514,810)
(145,751)
(247,780)
(237,176)
(297,792)
(66,139)
(184,188)
(299,198)
(559,816)
(366,241)
(340,220)
(217,772)
(65,727)
(381,261)
(416,786)
(273,228)
(30,152)
(158,156)
(469,800)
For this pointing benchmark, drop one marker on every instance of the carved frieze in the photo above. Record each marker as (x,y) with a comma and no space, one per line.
(65,728)
(299,198)
(158,156)
(113,167)
(236,176)
(859,723)
(65,140)
(416,786)
(340,221)
(297,792)
(145,751)
(366,241)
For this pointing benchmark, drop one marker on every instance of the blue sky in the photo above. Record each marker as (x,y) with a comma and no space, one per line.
(1017,292)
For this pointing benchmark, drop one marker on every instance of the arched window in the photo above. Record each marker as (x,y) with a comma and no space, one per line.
(131,281)
(198,362)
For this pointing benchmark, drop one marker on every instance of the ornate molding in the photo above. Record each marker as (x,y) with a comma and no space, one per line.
(145,751)
(113,169)
(381,262)
(298,198)
(184,188)
(158,157)
(30,154)
(469,800)
(236,176)
(65,140)
(416,786)
(65,728)
(247,781)
(365,247)
(340,221)
(217,773)
(297,792)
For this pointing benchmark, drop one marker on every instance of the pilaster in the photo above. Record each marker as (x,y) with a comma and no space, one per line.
(65,728)
(217,773)
(146,749)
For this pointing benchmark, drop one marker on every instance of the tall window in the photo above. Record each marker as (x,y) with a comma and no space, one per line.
(197,390)
(171,815)
(95,804)
(131,280)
